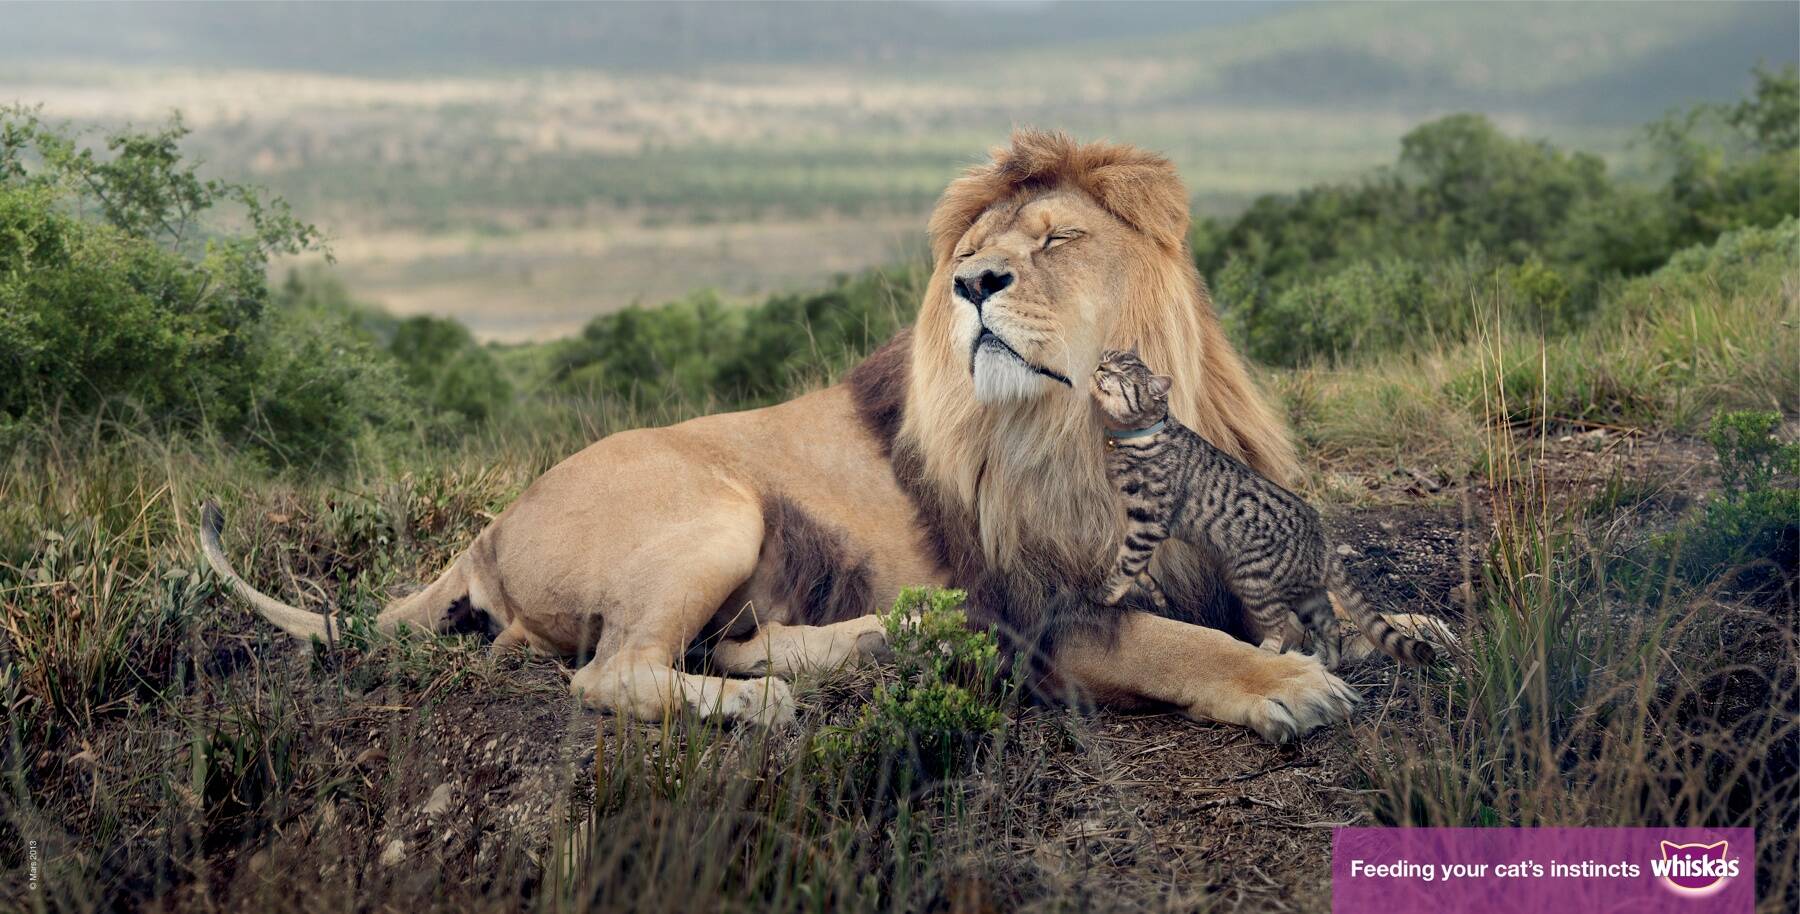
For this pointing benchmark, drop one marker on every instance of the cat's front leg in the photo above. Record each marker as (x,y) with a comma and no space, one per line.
(1280,635)
(1114,589)
(1152,588)
(1132,567)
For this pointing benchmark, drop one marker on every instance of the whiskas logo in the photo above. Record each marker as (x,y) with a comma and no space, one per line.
(1694,870)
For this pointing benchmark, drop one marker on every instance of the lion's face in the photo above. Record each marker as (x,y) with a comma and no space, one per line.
(1033,291)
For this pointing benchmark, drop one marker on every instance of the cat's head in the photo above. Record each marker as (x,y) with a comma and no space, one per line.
(1128,393)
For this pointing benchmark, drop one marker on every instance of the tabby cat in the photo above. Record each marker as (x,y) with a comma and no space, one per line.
(1267,541)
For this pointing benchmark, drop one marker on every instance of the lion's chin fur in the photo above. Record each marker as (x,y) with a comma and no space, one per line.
(1001,378)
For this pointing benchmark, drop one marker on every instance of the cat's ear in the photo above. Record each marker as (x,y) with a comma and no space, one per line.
(1134,348)
(1160,384)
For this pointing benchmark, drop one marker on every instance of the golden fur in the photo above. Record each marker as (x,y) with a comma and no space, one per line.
(940,461)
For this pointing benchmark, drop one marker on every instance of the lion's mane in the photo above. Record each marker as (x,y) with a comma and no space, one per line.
(1016,500)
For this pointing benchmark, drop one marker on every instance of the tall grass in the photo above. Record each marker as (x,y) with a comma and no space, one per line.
(1716,329)
(1581,700)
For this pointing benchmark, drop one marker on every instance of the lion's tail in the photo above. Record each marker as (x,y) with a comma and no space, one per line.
(291,619)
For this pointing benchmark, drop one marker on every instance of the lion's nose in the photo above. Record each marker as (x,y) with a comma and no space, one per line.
(977,289)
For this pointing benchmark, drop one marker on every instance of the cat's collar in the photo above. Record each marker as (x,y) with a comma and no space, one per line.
(1145,432)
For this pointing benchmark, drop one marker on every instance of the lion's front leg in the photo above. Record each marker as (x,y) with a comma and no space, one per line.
(1208,674)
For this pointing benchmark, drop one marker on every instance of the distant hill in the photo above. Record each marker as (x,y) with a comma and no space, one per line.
(1617,62)
(374,38)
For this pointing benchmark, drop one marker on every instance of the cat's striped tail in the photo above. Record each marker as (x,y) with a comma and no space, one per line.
(1380,632)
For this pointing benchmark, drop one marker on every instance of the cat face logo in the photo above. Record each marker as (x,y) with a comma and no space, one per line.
(1695,870)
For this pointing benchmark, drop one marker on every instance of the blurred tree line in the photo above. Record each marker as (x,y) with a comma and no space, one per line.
(1468,213)
(130,285)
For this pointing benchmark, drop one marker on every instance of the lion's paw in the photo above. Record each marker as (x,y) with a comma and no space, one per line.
(1295,694)
(766,702)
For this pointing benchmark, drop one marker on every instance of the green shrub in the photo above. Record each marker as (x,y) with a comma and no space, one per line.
(650,353)
(1733,165)
(944,705)
(701,349)
(319,388)
(1732,262)
(130,280)
(89,312)
(442,361)
(1756,515)
(1468,214)
(1368,304)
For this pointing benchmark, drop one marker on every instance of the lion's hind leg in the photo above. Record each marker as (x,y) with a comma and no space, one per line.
(1357,649)
(662,596)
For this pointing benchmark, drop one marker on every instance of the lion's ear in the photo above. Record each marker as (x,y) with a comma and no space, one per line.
(1160,384)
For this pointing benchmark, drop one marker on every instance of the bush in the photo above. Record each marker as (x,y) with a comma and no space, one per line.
(1756,516)
(943,707)
(1368,304)
(441,360)
(318,388)
(701,349)
(1733,165)
(122,282)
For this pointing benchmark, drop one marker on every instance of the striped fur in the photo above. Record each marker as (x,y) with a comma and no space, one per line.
(1268,542)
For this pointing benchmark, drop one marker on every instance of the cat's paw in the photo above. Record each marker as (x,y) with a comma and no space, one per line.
(1111,594)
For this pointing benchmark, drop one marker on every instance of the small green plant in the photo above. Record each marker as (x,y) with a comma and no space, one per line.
(1756,515)
(941,709)
(241,759)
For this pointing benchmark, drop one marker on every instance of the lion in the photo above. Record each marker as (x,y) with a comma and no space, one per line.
(962,453)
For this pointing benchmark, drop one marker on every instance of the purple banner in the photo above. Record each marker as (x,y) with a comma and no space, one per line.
(1543,870)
